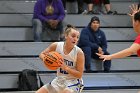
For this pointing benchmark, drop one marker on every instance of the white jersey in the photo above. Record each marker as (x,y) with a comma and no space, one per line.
(63,79)
(69,59)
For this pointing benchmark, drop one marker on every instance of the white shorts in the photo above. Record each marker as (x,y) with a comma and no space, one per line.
(59,84)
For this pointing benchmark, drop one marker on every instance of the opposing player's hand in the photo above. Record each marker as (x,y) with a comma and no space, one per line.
(134,9)
(104,57)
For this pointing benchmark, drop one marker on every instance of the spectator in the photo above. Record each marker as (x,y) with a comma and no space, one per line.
(93,40)
(80,6)
(106,3)
(48,16)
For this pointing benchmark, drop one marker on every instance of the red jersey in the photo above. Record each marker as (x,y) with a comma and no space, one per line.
(137,40)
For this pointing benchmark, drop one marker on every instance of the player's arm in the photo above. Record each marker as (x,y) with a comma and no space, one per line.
(79,66)
(121,54)
(51,47)
(126,52)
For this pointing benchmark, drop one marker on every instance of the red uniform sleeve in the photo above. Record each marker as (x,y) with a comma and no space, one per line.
(137,40)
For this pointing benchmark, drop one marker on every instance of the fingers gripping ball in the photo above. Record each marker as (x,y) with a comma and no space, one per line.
(53,60)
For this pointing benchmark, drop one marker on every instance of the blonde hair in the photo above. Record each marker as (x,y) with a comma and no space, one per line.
(68,29)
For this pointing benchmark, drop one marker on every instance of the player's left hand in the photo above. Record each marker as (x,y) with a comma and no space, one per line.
(134,9)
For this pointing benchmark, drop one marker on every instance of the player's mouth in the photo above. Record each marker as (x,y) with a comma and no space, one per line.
(74,42)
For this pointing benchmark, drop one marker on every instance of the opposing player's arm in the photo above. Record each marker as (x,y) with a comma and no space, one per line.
(79,66)
(121,54)
(126,52)
(51,47)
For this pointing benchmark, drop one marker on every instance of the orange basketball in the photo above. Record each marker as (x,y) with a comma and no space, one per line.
(53,60)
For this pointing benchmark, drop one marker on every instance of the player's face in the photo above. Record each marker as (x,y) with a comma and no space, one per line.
(73,37)
(95,25)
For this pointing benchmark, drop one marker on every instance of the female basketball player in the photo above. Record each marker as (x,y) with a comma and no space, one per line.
(69,75)
(135,47)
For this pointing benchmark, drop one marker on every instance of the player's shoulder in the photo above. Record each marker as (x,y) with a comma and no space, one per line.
(55,44)
(79,50)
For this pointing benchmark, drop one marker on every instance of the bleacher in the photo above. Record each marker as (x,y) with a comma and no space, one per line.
(18,51)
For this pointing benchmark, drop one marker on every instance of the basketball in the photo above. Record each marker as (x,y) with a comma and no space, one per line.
(53,60)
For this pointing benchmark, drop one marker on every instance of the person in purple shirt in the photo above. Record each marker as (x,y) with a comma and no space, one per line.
(48,16)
